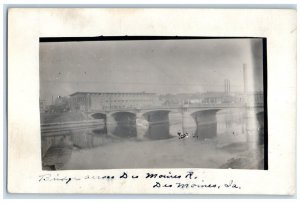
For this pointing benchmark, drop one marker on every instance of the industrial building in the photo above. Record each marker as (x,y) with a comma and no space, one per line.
(89,101)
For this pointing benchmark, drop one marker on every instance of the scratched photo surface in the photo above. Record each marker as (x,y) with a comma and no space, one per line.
(177,103)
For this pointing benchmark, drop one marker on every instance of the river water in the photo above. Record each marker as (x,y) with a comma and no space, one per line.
(163,134)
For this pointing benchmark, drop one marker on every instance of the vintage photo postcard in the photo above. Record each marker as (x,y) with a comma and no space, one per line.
(112,103)
(118,101)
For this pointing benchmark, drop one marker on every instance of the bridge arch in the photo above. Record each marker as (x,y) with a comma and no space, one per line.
(124,124)
(153,114)
(206,122)
(158,124)
(113,113)
(98,116)
(204,110)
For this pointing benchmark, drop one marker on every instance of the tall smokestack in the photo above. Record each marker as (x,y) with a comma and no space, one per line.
(227,86)
(245,77)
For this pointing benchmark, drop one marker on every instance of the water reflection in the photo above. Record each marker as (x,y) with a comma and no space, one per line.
(159,125)
(224,126)
(240,126)
(158,131)
(90,139)
(206,124)
(125,125)
(231,126)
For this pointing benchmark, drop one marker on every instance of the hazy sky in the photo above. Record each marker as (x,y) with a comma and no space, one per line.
(161,66)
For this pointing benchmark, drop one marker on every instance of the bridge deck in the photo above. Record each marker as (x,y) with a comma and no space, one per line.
(202,106)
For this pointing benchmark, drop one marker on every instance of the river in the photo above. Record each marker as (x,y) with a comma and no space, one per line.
(206,139)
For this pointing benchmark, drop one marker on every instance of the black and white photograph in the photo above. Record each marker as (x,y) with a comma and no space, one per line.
(153,102)
(160,101)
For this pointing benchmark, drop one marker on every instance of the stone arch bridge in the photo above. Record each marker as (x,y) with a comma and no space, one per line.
(141,122)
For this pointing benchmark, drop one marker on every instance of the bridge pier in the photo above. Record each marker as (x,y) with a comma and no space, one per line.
(189,124)
(142,126)
(175,120)
(110,124)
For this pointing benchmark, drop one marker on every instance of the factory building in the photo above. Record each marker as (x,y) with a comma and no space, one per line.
(89,101)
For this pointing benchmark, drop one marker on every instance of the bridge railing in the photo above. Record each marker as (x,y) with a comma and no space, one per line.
(176,106)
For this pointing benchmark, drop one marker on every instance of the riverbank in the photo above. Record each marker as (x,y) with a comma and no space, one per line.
(167,153)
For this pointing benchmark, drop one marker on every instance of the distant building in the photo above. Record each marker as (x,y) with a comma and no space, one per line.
(221,98)
(180,99)
(225,98)
(89,101)
(207,98)
(61,104)
(44,107)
